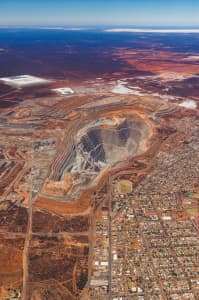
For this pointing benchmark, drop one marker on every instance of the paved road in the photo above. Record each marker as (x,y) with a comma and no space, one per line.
(110,236)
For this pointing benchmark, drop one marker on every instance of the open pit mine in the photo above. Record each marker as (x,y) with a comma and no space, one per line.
(99,194)
(92,148)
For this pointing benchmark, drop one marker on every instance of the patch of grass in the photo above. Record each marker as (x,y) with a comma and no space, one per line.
(192,211)
(124,187)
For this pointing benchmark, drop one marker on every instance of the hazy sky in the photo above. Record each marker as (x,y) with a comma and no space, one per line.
(100,12)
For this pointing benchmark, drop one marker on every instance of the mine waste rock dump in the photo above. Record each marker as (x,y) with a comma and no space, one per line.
(98,147)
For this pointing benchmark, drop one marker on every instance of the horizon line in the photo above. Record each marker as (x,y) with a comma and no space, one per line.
(112,29)
(113,26)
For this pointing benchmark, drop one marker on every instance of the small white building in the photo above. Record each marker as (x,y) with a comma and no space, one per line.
(104,263)
(115,257)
